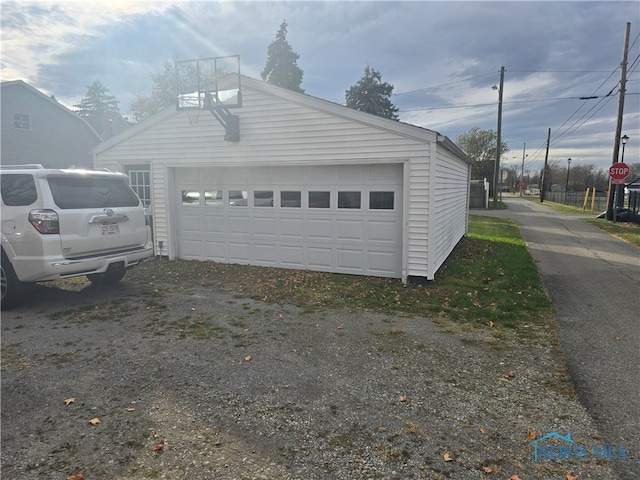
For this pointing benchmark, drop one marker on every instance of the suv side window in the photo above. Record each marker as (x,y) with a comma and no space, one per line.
(76,192)
(18,189)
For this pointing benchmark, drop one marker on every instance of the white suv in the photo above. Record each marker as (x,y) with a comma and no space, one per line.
(66,223)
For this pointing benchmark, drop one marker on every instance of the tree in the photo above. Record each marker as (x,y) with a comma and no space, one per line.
(480,146)
(163,93)
(370,94)
(282,68)
(97,101)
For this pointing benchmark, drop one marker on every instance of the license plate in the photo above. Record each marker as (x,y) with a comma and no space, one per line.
(110,229)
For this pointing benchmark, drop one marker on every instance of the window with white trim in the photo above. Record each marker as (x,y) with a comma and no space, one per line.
(22,121)
(139,180)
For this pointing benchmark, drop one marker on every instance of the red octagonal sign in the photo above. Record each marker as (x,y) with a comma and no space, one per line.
(618,172)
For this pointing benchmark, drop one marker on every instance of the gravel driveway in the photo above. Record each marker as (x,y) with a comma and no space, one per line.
(198,384)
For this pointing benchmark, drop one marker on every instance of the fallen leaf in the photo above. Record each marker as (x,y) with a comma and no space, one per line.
(616,338)
(531,434)
(510,374)
(487,469)
(482,430)
(77,476)
(490,323)
(571,477)
(403,398)
(248,358)
(514,477)
(341,326)
(69,401)
(94,421)
(131,409)
(280,317)
(447,457)
(158,448)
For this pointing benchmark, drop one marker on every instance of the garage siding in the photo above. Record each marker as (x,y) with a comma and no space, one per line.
(279,128)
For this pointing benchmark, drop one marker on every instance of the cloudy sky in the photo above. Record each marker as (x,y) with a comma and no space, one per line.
(442,58)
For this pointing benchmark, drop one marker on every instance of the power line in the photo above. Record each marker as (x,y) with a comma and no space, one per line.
(443,84)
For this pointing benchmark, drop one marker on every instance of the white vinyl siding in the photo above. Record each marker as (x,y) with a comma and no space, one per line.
(279,128)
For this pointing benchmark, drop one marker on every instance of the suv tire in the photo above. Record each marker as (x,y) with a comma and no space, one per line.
(10,285)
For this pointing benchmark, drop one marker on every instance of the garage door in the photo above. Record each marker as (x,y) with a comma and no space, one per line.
(343,219)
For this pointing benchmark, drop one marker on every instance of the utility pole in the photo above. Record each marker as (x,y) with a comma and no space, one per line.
(616,142)
(496,173)
(524,148)
(544,170)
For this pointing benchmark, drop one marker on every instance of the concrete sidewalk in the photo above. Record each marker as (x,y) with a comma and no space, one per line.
(594,281)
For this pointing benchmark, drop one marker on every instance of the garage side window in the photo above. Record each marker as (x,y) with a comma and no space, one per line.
(319,199)
(238,198)
(213,198)
(381,200)
(348,199)
(263,198)
(291,199)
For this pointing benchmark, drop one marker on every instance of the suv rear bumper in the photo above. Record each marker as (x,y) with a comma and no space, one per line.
(47,268)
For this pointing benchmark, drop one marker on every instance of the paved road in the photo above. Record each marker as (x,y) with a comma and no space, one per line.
(594,280)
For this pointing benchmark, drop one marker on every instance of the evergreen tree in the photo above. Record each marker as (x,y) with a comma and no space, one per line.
(370,94)
(480,146)
(282,68)
(97,101)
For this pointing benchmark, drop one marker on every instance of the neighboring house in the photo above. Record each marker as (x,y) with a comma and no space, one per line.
(310,184)
(38,129)
(108,124)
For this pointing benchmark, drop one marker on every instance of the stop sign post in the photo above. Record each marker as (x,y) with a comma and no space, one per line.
(618,172)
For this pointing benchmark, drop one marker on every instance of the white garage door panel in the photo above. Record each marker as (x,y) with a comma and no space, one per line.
(356,241)
(291,227)
(215,250)
(214,224)
(350,259)
(239,252)
(265,226)
(319,257)
(265,254)
(237,224)
(318,229)
(385,231)
(350,230)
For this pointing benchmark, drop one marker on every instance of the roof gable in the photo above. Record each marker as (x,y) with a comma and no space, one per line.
(51,101)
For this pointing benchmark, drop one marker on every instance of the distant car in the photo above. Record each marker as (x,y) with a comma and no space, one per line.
(622,214)
(67,223)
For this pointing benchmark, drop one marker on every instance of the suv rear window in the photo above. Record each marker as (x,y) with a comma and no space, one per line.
(18,189)
(91,192)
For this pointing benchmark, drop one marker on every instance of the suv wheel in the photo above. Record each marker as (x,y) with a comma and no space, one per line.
(9,284)
(107,278)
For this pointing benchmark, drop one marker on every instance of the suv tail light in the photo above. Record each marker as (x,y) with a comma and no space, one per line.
(44,221)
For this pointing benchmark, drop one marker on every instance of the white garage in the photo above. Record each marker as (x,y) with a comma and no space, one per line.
(309,185)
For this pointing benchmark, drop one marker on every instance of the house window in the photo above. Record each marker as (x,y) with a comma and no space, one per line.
(21,121)
(319,199)
(140,183)
(238,198)
(263,198)
(348,199)
(213,197)
(291,199)
(381,200)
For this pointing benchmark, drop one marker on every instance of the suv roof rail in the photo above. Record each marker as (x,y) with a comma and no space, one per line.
(27,166)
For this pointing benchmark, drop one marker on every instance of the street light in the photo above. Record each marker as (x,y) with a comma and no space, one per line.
(496,171)
(624,141)
(566,188)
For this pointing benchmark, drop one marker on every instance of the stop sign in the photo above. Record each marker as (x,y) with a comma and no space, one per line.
(618,172)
